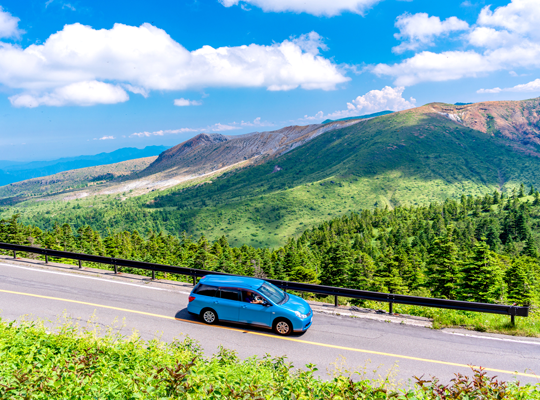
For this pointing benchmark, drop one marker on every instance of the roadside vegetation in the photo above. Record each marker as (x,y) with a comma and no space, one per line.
(478,249)
(74,362)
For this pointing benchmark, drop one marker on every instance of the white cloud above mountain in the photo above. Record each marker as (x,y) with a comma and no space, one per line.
(86,93)
(314,7)
(533,86)
(186,102)
(146,58)
(217,127)
(388,98)
(503,39)
(418,30)
(9,25)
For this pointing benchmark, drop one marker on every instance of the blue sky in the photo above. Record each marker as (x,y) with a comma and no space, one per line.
(83,77)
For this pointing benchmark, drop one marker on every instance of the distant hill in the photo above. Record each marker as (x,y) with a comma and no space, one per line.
(72,184)
(11,172)
(360,117)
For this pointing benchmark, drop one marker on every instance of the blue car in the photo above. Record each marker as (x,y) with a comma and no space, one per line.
(249,301)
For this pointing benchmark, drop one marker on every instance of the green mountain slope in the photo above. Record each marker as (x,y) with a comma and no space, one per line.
(405,158)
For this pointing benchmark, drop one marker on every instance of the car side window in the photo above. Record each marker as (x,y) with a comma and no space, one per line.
(230,294)
(206,290)
(252,297)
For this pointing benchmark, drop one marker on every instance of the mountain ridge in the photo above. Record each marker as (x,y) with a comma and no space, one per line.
(17,171)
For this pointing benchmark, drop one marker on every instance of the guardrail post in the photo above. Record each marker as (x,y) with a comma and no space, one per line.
(336,301)
(391,306)
(14,254)
(153,275)
(194,280)
(513,316)
(80,264)
(46,259)
(115,266)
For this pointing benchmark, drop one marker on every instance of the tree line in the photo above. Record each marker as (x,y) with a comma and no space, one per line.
(475,248)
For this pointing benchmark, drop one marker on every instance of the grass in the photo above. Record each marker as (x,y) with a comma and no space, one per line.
(83,362)
(480,322)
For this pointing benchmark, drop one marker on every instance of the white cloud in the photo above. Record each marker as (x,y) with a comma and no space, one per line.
(314,7)
(87,93)
(494,90)
(256,122)
(136,89)
(218,127)
(387,98)
(146,58)
(533,86)
(507,38)
(185,102)
(163,132)
(9,25)
(483,36)
(106,138)
(428,66)
(420,30)
(519,16)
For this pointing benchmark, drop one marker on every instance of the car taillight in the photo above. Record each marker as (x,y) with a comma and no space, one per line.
(191,298)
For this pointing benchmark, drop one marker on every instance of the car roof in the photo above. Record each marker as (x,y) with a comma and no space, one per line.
(230,280)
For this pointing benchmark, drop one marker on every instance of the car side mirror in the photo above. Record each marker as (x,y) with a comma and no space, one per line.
(266,304)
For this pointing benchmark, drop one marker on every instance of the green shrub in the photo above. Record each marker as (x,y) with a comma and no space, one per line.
(83,363)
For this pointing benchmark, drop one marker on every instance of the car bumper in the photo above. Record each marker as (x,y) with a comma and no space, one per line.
(305,324)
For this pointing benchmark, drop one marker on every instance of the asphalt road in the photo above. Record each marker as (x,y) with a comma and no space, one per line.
(159,309)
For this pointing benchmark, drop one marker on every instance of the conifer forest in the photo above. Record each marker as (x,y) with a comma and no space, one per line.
(477,248)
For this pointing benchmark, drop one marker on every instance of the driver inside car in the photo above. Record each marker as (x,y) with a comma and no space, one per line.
(253,298)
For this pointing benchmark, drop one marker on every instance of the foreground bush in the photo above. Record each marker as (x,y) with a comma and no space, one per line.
(74,363)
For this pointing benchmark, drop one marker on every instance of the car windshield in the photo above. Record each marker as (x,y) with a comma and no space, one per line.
(275,294)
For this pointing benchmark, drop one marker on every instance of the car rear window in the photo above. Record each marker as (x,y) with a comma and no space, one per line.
(207,290)
(230,294)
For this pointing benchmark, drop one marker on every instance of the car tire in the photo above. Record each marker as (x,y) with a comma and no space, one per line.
(209,316)
(282,327)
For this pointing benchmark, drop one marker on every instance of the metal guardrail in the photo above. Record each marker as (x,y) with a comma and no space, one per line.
(390,298)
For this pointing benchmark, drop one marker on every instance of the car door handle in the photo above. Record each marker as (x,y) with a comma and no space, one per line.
(216,302)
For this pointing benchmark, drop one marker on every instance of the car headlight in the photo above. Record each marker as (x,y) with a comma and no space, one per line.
(300,315)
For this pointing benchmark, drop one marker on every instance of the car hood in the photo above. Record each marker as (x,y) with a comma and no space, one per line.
(296,303)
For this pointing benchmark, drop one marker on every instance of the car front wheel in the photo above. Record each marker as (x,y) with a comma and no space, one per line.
(209,316)
(283,327)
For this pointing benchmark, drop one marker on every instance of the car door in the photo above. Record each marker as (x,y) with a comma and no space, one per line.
(256,314)
(228,304)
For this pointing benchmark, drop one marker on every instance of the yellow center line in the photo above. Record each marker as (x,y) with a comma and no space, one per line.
(514,373)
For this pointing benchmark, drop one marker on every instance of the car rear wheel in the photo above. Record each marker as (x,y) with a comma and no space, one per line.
(209,316)
(283,327)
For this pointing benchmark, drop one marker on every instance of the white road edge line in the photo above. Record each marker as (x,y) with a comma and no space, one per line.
(490,338)
(89,277)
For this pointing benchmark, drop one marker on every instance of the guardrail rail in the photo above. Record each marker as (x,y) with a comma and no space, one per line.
(389,298)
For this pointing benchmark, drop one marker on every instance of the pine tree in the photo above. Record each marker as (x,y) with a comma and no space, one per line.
(443,267)
(530,249)
(361,274)
(496,197)
(336,265)
(536,201)
(521,281)
(482,276)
